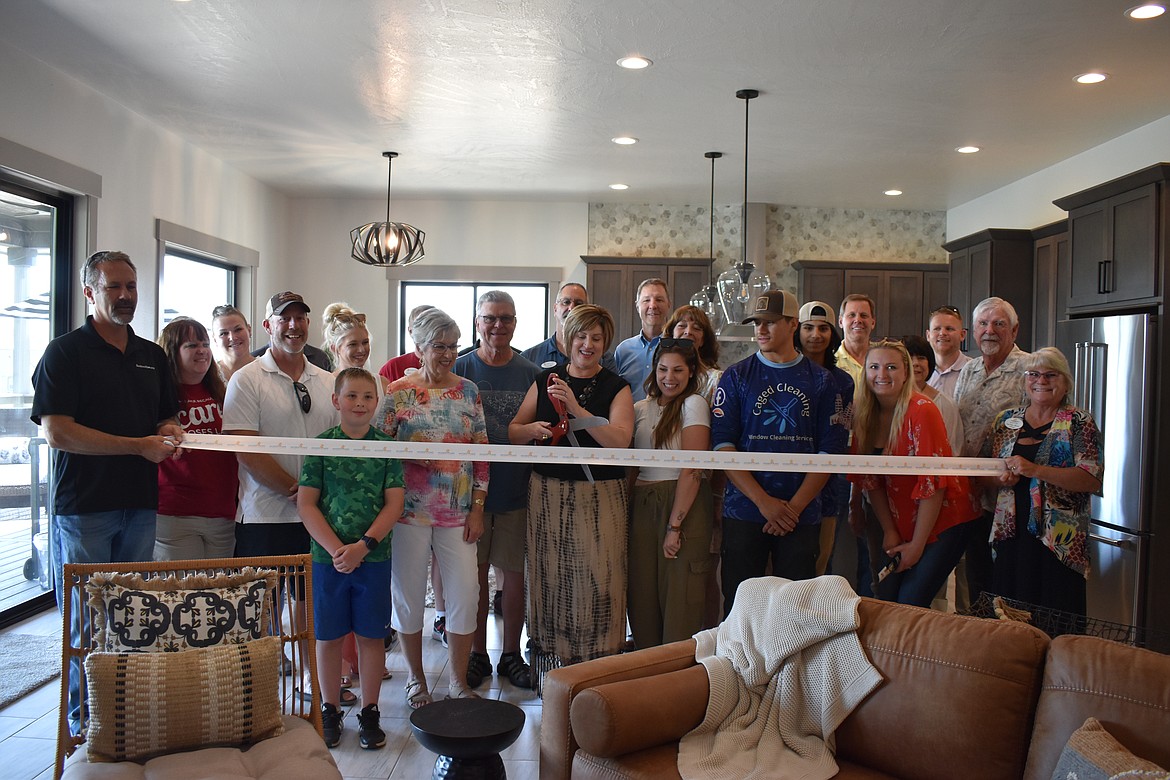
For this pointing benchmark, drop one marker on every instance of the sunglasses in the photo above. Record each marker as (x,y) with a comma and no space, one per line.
(683,343)
(303,396)
(946,310)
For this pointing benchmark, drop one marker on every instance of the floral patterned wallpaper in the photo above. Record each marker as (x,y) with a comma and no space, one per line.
(793,233)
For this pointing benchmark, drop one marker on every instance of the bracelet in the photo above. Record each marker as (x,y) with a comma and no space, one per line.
(675,528)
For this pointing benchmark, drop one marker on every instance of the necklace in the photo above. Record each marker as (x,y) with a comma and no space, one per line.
(586,393)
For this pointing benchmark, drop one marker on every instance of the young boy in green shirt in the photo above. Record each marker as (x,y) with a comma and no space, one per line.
(349,506)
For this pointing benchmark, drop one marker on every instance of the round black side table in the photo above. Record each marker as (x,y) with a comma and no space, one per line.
(468,735)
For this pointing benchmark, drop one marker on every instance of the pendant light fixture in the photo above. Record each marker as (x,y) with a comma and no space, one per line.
(705,298)
(387,244)
(742,284)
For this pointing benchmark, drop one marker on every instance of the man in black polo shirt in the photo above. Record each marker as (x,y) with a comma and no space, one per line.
(106,400)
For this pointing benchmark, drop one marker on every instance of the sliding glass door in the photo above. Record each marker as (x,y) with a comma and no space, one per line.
(34,259)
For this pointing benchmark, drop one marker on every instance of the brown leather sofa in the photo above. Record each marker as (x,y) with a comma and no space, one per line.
(962,698)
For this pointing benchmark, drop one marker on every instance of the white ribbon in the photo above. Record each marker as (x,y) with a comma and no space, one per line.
(601,456)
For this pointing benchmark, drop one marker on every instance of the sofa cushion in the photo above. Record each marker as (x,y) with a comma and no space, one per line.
(624,717)
(297,754)
(958,699)
(143,705)
(1092,754)
(1123,687)
(168,614)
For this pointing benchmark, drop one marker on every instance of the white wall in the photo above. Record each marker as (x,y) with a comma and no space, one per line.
(1027,203)
(147,173)
(475,233)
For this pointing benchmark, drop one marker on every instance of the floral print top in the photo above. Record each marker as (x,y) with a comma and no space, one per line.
(923,435)
(438,492)
(1057,517)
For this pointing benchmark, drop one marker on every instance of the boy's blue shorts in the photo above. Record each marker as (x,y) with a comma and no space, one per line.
(357,602)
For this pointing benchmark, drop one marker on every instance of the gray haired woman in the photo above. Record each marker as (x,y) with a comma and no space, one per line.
(444,501)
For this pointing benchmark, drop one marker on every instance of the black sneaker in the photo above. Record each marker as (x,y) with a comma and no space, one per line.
(390,639)
(512,666)
(331,724)
(498,602)
(479,666)
(370,734)
(439,631)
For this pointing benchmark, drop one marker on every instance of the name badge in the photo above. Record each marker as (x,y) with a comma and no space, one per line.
(1013,423)
(549,364)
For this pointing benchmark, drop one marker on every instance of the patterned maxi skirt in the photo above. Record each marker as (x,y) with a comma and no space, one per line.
(576,570)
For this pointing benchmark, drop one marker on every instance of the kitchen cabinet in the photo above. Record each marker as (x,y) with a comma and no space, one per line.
(1050,266)
(1118,242)
(994,262)
(905,293)
(613,283)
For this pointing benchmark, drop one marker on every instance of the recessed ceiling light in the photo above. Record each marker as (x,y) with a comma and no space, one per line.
(893,192)
(634,62)
(624,140)
(3,235)
(619,186)
(1091,77)
(966,149)
(1147,11)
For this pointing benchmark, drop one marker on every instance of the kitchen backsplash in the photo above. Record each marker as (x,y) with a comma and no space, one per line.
(792,233)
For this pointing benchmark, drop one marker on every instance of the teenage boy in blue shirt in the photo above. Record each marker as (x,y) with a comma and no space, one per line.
(349,506)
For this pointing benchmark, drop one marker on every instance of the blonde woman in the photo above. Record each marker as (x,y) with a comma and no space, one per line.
(923,517)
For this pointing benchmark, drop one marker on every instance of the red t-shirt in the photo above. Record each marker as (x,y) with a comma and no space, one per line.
(202,483)
(395,368)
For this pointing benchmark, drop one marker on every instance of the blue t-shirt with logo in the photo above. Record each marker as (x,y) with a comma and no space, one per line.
(762,406)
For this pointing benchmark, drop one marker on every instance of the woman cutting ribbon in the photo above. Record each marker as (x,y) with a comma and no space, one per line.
(577,514)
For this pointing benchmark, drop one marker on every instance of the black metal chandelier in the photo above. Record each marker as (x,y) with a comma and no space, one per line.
(388,243)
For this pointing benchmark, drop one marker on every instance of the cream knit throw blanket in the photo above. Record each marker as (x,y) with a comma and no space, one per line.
(785,669)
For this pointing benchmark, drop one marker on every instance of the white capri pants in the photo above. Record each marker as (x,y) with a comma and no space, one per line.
(410,550)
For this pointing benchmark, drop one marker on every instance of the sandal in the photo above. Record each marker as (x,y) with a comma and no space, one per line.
(417,695)
(461,692)
(513,667)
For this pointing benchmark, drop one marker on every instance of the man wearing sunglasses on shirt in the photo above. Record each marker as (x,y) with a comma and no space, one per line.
(278,394)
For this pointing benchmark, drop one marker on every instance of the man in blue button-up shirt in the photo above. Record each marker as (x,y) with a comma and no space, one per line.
(633,355)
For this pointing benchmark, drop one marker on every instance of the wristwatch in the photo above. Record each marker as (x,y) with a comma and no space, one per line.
(370,542)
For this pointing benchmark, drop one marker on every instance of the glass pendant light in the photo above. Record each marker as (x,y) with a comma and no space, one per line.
(740,285)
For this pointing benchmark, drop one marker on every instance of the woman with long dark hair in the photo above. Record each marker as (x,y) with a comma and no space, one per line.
(196,493)
(671,510)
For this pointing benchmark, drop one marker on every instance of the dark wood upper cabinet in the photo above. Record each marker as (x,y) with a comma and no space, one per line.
(1051,288)
(1118,242)
(613,283)
(994,262)
(905,293)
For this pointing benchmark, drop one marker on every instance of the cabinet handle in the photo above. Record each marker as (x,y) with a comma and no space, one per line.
(1108,276)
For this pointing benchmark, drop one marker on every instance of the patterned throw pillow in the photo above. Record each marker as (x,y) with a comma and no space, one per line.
(169,614)
(143,705)
(1093,754)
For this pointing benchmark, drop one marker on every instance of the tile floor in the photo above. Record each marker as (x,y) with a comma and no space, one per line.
(28,726)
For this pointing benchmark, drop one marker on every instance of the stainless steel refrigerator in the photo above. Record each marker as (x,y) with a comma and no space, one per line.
(1115,365)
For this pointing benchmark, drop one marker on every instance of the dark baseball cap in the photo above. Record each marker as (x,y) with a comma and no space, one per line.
(281,301)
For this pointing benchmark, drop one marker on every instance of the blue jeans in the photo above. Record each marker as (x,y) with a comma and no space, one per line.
(919,584)
(99,537)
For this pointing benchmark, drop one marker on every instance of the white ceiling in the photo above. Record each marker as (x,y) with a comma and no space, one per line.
(517,99)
